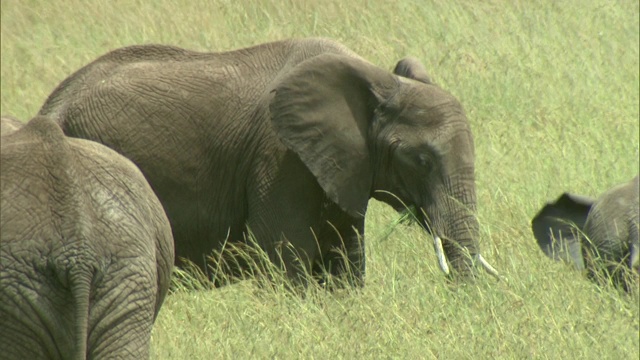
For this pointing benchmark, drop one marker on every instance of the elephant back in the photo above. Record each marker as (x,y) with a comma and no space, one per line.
(612,224)
(9,124)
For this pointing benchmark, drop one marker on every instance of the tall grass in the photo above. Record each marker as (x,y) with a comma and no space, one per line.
(551,90)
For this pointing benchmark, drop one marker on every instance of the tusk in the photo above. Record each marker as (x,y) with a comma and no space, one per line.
(444,266)
(490,269)
(442,259)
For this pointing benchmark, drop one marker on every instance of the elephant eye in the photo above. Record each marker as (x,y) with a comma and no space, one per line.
(427,160)
(424,160)
(421,161)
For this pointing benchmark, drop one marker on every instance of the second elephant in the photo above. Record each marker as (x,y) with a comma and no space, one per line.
(594,234)
(287,140)
(86,251)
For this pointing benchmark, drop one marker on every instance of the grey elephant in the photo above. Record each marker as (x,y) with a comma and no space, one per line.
(285,140)
(9,124)
(86,253)
(599,235)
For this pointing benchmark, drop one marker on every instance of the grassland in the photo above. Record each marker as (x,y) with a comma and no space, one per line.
(552,92)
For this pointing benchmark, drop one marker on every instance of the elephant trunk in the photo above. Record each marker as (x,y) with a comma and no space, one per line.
(450,217)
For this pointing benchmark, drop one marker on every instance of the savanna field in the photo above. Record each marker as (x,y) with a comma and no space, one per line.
(552,93)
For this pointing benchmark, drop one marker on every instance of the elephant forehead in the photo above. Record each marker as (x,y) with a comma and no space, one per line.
(429,96)
(432,116)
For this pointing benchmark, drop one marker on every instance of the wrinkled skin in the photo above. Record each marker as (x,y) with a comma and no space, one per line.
(600,235)
(288,139)
(9,124)
(86,249)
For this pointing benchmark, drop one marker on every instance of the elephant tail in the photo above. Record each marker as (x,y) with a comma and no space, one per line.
(80,285)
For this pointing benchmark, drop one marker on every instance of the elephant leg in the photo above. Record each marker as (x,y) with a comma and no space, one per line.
(123,310)
(28,317)
(285,206)
(343,246)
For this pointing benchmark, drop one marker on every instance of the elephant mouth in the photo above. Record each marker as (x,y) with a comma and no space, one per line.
(415,213)
(444,264)
(420,216)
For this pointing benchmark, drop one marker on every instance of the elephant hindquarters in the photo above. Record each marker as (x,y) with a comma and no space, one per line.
(81,312)
(122,316)
(22,333)
(59,325)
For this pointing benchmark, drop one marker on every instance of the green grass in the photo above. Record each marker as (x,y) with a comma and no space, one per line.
(551,91)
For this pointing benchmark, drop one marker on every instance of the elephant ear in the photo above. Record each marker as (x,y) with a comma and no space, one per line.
(322,110)
(412,68)
(557,227)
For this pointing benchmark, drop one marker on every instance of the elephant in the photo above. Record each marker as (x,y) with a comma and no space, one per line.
(87,250)
(282,144)
(9,124)
(597,235)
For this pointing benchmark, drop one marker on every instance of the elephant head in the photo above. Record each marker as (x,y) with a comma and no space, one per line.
(364,132)
(586,231)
